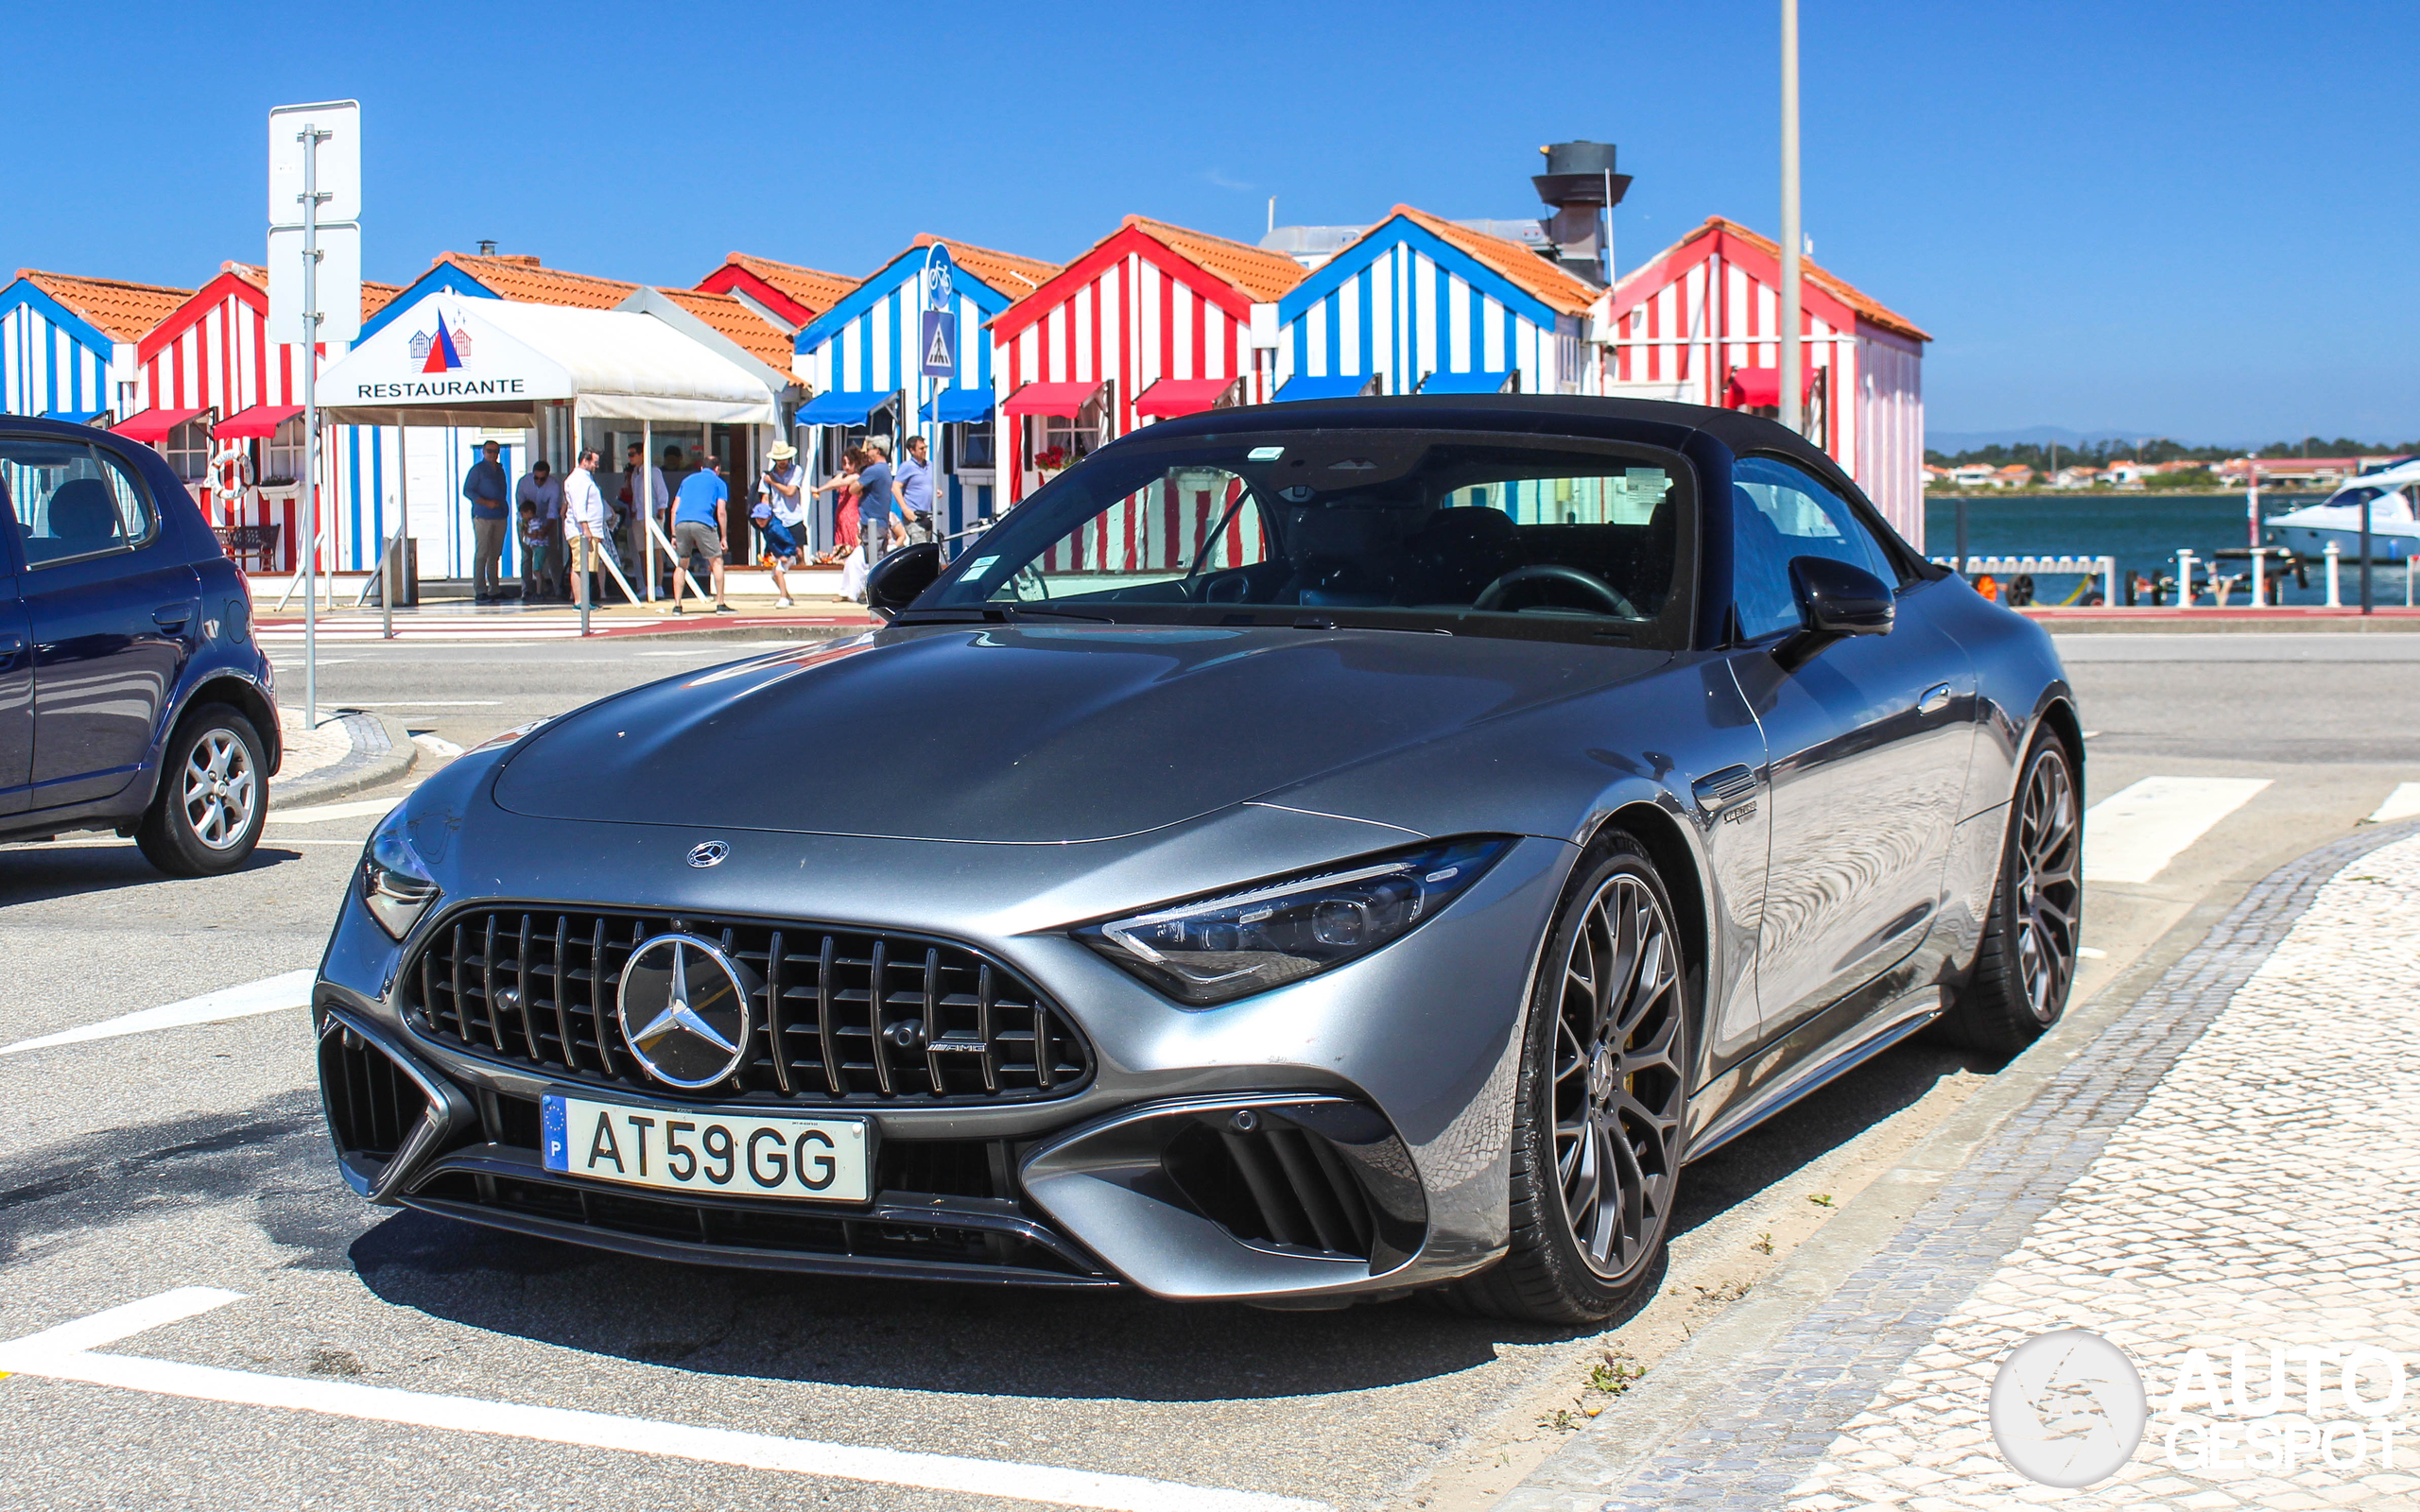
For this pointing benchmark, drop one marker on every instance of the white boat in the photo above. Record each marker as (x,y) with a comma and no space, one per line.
(2394,529)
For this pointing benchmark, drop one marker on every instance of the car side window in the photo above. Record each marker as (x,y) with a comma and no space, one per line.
(71,500)
(1780,511)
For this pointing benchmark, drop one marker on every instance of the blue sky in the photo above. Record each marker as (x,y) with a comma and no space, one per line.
(2193,220)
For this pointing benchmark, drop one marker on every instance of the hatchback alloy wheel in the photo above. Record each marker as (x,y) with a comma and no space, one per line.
(220,790)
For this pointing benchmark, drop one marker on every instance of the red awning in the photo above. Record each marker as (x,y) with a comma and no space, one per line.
(151,426)
(1050,399)
(1761,387)
(1184,396)
(257,423)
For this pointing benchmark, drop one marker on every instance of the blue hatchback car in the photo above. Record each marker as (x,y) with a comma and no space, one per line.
(133,695)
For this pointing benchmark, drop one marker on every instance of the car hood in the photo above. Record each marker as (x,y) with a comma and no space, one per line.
(1027,735)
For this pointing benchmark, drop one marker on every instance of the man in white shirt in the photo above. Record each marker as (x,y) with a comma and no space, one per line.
(584,521)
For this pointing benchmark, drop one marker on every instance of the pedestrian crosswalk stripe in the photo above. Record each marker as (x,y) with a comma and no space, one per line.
(2400,805)
(2132,835)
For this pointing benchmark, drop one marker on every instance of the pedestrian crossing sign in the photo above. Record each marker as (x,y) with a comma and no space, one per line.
(940,345)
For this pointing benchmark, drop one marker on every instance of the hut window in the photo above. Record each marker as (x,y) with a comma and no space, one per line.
(282,461)
(188,450)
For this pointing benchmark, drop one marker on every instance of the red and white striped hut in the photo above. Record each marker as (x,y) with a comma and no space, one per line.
(1701,322)
(227,406)
(1152,320)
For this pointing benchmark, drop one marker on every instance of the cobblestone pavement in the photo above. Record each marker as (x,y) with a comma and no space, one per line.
(2230,1165)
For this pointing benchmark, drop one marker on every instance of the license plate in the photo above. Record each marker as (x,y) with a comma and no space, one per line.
(681,1149)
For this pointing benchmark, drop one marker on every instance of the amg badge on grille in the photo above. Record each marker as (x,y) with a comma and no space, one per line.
(684,1010)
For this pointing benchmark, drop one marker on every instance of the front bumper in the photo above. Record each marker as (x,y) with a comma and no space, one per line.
(1343,1135)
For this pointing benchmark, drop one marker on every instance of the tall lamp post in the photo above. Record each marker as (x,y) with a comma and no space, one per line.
(1792,359)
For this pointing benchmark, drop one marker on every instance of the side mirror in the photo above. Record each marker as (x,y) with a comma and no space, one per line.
(1835,601)
(898,578)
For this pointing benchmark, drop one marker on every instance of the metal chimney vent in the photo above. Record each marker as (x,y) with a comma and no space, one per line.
(1580,183)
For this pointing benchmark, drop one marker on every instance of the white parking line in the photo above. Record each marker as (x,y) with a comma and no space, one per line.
(290,989)
(423,703)
(63,1353)
(2131,836)
(2400,805)
(315,812)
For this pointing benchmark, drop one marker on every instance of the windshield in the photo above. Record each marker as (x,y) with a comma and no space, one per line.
(1455,531)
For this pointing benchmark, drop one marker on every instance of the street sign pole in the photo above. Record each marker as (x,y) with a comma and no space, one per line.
(311,137)
(937,360)
(1792,414)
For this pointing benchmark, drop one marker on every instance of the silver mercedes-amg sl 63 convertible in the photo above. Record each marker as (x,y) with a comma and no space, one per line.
(1302,854)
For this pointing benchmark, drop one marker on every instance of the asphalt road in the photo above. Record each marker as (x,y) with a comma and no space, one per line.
(194,1156)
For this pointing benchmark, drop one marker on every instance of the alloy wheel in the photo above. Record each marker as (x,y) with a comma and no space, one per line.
(219,789)
(1619,1088)
(2048,886)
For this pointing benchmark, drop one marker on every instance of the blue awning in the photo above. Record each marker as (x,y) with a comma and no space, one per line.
(958,404)
(76,417)
(840,408)
(1466,383)
(1302,386)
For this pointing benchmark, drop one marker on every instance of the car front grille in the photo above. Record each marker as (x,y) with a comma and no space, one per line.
(841,1016)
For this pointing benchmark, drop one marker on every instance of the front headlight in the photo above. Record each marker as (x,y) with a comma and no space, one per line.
(395,885)
(1217,949)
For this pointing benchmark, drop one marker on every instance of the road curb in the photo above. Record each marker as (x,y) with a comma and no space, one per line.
(1634,1457)
(381,751)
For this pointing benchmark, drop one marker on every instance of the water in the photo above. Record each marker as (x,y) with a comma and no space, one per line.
(2144,531)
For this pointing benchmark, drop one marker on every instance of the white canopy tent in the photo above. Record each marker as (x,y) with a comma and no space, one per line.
(452,360)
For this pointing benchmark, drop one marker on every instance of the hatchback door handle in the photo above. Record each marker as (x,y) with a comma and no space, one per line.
(11,648)
(169,616)
(1936,699)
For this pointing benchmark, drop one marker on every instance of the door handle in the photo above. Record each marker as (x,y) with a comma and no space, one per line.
(171,616)
(11,648)
(1936,699)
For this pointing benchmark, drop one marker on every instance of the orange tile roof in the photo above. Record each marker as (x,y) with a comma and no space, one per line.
(122,311)
(818,291)
(1840,289)
(519,277)
(1006,272)
(743,325)
(1560,290)
(1260,273)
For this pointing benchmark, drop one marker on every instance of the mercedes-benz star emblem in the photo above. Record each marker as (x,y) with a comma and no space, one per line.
(709,855)
(684,1010)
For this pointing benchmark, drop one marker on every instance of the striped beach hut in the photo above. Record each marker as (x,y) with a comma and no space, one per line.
(1701,322)
(1152,320)
(1419,304)
(67,344)
(784,293)
(859,361)
(217,379)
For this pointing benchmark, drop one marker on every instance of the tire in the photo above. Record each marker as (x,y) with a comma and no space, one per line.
(212,797)
(1602,1110)
(2026,961)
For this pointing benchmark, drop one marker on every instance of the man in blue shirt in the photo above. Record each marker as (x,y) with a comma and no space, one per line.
(698,527)
(490,494)
(916,491)
(876,504)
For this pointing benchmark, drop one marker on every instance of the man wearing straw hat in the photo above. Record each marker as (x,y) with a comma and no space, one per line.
(781,513)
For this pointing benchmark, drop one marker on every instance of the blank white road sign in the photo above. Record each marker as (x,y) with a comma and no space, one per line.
(339,160)
(339,282)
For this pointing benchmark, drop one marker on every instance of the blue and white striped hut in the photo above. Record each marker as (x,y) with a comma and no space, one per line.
(67,344)
(1419,304)
(860,361)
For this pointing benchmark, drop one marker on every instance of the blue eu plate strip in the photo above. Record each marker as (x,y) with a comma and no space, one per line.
(550,1113)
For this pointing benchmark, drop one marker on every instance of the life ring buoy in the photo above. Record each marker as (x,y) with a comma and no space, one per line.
(230,473)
